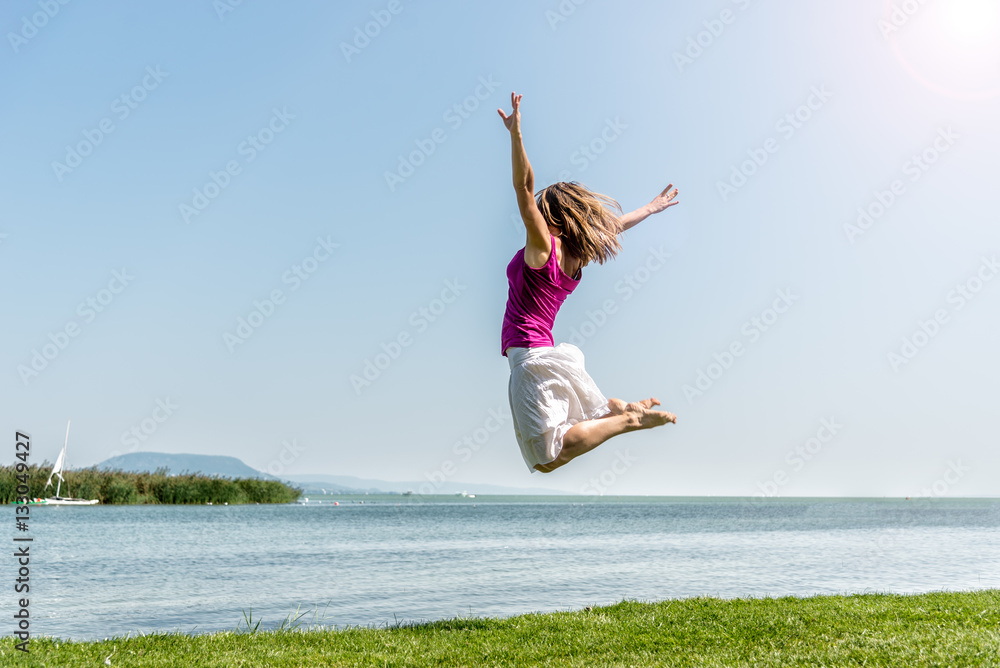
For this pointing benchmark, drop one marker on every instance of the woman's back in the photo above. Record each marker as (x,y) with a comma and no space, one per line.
(534,298)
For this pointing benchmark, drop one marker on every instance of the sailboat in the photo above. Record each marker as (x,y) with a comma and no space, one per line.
(57,471)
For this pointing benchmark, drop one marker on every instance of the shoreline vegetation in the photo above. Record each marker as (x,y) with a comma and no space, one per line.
(117,487)
(936,629)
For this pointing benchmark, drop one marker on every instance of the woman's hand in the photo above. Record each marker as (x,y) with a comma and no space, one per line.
(512,122)
(664,200)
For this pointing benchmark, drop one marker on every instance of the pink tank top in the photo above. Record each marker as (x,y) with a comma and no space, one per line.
(533,301)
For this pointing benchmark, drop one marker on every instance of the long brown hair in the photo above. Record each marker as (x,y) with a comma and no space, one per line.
(589,230)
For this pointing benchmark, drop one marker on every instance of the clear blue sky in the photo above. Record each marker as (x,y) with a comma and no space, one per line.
(289,136)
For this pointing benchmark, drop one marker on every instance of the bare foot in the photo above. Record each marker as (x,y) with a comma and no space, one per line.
(649,403)
(617,406)
(647,418)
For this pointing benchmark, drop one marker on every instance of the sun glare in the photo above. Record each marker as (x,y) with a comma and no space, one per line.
(972,21)
(950,46)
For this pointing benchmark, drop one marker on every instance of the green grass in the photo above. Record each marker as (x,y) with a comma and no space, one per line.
(939,629)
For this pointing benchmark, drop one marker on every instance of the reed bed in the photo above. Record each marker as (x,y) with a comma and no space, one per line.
(119,487)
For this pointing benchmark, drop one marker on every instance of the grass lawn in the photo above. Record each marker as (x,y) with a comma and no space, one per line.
(940,629)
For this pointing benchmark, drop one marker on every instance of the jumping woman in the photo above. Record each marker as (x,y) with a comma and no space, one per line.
(558,411)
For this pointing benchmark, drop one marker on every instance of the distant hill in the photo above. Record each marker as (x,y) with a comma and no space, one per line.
(138,462)
(231,467)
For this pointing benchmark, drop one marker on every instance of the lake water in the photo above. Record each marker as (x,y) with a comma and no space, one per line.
(109,570)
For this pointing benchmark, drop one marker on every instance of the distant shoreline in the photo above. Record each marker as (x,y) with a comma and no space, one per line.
(313,499)
(116,487)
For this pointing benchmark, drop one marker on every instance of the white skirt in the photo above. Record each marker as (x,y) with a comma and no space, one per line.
(549,392)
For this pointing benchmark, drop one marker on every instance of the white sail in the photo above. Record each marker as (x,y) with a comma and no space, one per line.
(60,461)
(57,472)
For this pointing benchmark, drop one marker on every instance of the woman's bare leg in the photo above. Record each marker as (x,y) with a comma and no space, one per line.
(585,436)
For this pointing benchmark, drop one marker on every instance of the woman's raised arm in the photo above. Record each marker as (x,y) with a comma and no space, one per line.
(662,202)
(524,182)
(524,177)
